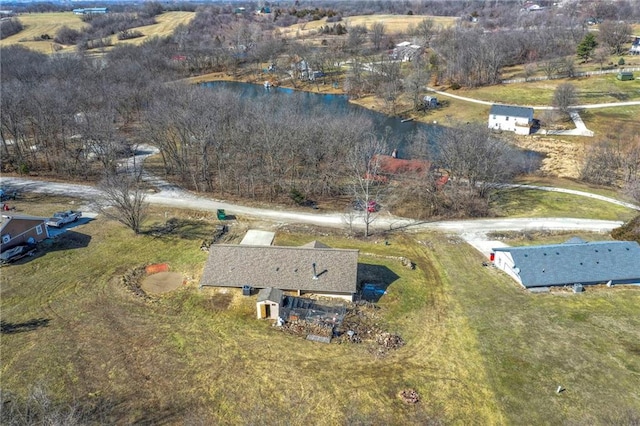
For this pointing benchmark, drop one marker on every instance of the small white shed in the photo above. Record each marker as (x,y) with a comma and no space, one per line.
(268,304)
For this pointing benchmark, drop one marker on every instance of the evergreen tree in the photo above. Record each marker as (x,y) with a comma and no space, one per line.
(587,46)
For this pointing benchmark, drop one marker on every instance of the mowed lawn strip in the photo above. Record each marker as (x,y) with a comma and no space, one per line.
(523,202)
(531,344)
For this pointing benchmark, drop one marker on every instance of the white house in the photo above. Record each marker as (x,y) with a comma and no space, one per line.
(511,118)
(573,262)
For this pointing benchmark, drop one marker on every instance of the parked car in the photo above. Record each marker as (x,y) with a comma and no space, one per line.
(60,219)
(16,253)
(372,206)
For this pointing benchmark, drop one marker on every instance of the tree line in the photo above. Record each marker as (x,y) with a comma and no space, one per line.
(74,115)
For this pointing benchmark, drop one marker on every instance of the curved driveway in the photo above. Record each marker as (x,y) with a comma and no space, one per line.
(175,197)
(473,231)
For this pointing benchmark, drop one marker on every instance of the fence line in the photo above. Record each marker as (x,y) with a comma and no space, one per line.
(577,74)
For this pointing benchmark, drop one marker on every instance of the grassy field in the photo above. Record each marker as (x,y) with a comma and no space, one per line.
(166,24)
(596,89)
(479,350)
(394,24)
(535,203)
(37,24)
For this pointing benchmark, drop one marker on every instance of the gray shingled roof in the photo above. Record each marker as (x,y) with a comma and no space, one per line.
(287,268)
(270,294)
(587,263)
(511,111)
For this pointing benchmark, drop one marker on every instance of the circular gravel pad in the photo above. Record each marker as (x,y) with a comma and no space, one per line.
(162,282)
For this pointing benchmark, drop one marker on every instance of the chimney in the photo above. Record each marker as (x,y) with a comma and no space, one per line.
(315,275)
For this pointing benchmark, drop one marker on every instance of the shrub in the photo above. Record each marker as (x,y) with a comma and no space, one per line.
(10,27)
(66,35)
(129,34)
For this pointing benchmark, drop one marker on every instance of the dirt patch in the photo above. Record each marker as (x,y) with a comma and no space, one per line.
(162,282)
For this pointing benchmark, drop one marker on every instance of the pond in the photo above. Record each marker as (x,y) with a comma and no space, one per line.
(399,132)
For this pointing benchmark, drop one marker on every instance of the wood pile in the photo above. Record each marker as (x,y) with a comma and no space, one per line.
(303,328)
(362,324)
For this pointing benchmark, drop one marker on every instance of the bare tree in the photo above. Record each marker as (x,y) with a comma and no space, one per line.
(476,159)
(601,55)
(564,96)
(602,164)
(123,199)
(416,81)
(377,34)
(368,186)
(615,34)
(424,31)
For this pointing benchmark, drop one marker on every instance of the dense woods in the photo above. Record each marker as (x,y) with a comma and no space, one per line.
(74,115)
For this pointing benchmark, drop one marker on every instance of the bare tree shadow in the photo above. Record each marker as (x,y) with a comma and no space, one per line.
(374,280)
(7,327)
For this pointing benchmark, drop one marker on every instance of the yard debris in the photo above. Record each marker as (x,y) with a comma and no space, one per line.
(389,341)
(219,232)
(132,280)
(407,263)
(409,396)
(169,226)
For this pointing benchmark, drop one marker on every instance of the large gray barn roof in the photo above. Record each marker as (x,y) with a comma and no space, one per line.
(511,111)
(586,263)
(287,268)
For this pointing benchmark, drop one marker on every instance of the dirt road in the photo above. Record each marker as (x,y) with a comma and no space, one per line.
(175,197)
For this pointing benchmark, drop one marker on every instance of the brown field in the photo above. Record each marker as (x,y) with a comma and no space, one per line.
(394,24)
(167,23)
(37,24)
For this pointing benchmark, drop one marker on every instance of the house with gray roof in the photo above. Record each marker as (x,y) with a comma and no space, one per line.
(573,262)
(511,118)
(310,269)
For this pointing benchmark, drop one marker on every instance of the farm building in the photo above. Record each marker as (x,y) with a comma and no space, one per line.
(511,118)
(310,269)
(573,262)
(18,230)
(625,75)
(91,11)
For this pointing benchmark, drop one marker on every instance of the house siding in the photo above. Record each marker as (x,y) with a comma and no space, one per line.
(21,230)
(504,261)
(511,118)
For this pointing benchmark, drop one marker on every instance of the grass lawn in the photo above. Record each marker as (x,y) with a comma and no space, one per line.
(535,203)
(595,89)
(531,344)
(478,349)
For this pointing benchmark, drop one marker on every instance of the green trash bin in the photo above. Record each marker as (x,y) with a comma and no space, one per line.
(221,214)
